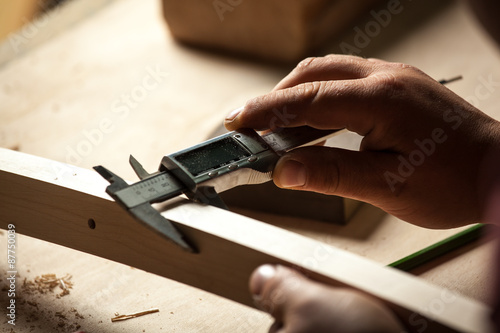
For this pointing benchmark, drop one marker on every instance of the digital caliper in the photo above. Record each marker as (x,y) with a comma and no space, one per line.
(200,172)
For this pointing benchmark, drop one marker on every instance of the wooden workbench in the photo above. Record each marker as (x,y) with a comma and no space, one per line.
(115,83)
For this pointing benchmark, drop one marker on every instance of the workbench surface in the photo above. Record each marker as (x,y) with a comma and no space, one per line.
(115,83)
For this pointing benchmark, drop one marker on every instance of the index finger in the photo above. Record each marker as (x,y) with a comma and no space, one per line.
(351,104)
(330,67)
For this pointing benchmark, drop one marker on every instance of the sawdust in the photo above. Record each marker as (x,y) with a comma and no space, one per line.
(34,293)
(76,313)
(62,319)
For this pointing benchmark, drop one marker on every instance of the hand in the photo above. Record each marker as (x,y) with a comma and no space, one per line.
(422,148)
(300,305)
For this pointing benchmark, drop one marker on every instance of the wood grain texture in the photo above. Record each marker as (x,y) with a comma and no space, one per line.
(53,201)
(284,31)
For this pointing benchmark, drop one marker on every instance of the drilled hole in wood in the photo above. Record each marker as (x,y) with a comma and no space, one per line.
(91,223)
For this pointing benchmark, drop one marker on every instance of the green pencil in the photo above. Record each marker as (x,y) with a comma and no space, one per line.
(438,249)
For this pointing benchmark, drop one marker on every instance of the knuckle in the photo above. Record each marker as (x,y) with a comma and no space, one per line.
(332,180)
(323,169)
(410,69)
(401,70)
(308,62)
(308,90)
(390,84)
(344,58)
(397,80)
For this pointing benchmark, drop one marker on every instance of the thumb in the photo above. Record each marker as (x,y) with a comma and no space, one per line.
(275,288)
(302,305)
(353,174)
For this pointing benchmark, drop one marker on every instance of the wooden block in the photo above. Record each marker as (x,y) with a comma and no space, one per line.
(271,199)
(278,30)
(15,14)
(55,202)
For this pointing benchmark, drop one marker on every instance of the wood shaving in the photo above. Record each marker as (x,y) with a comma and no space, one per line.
(47,283)
(133,315)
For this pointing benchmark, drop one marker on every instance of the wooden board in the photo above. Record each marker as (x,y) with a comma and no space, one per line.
(54,202)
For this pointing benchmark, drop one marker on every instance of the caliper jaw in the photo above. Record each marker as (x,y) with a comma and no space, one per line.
(143,212)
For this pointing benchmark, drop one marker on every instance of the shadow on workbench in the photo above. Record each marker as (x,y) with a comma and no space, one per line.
(364,223)
(474,279)
(452,255)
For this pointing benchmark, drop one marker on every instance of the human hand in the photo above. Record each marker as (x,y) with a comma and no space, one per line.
(422,148)
(300,305)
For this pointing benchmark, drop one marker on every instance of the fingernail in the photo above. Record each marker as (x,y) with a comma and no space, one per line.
(292,174)
(233,114)
(259,279)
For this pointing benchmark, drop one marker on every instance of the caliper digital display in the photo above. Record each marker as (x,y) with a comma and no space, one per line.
(212,156)
(215,162)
